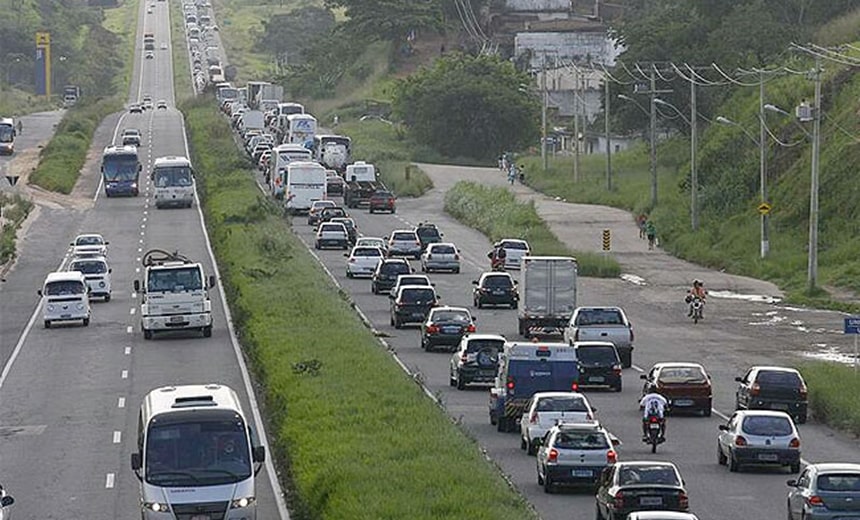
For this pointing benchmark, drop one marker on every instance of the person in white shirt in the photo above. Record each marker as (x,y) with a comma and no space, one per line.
(653,404)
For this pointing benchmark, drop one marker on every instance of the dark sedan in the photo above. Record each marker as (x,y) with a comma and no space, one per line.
(446,326)
(773,388)
(640,486)
(495,289)
(411,304)
(386,274)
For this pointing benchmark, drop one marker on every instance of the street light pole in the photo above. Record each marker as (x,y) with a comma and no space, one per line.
(653,151)
(762,166)
(694,170)
(543,115)
(576,124)
(608,136)
(812,268)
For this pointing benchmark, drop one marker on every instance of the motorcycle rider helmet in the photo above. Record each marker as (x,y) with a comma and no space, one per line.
(697,283)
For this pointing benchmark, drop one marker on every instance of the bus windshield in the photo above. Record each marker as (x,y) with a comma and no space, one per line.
(120,167)
(209,451)
(7,134)
(172,176)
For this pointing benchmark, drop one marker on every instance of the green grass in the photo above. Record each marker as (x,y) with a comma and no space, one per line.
(355,437)
(122,20)
(833,390)
(241,24)
(15,210)
(60,162)
(16,102)
(495,212)
(182,86)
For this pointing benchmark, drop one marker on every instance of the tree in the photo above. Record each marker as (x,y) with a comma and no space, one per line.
(389,20)
(292,33)
(467,106)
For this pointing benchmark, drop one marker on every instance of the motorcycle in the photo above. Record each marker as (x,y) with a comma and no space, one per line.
(697,307)
(654,432)
(497,264)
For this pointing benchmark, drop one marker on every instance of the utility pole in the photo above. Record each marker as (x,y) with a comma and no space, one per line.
(576,124)
(608,134)
(762,163)
(812,268)
(694,167)
(653,151)
(543,114)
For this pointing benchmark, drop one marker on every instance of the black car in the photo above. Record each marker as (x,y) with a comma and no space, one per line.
(386,274)
(349,224)
(427,234)
(411,304)
(495,288)
(773,388)
(598,363)
(446,326)
(476,360)
(330,213)
(625,487)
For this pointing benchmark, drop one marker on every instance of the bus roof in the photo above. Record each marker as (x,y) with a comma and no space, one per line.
(120,150)
(171,160)
(178,398)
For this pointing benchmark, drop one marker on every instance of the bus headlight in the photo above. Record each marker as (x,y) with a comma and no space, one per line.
(50,308)
(238,503)
(156,507)
(80,306)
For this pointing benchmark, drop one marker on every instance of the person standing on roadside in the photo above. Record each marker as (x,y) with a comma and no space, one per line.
(651,233)
(19,127)
(640,223)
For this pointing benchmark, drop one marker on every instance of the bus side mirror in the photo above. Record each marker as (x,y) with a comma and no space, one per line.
(39,292)
(137,286)
(259,454)
(211,281)
(6,501)
(135,462)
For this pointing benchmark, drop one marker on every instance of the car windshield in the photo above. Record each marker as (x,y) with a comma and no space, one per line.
(417,295)
(89,241)
(169,176)
(348,222)
(88,267)
(561,404)
(599,317)
(367,251)
(515,245)
(394,268)
(131,132)
(382,195)
(371,242)
(443,250)
(579,440)
(476,345)
(332,228)
(839,482)
(197,453)
(64,288)
(416,280)
(767,426)
(452,316)
(501,281)
(334,212)
(6,133)
(175,280)
(682,375)
(403,236)
(656,474)
(596,354)
(778,378)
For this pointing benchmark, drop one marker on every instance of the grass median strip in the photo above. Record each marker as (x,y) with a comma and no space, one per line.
(15,210)
(362,440)
(495,212)
(833,390)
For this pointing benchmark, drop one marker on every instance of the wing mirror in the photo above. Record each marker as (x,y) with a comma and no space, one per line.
(723,427)
(474,282)
(211,281)
(615,441)
(136,464)
(39,292)
(6,501)
(739,379)
(137,286)
(259,454)
(643,376)
(791,483)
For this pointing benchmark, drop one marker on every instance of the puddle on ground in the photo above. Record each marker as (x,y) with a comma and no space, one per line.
(632,278)
(830,353)
(731,295)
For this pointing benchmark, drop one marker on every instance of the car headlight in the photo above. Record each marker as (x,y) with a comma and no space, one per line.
(102,285)
(134,185)
(50,308)
(238,503)
(157,507)
(80,306)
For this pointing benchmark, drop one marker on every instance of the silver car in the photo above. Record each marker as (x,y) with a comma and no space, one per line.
(547,409)
(362,261)
(829,491)
(404,242)
(574,454)
(759,437)
(515,250)
(441,256)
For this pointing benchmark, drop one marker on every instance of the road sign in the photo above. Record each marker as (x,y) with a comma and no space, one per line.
(13,179)
(607,239)
(764,208)
(851,325)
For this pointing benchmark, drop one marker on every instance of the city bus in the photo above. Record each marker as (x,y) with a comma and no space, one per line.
(173,179)
(7,136)
(120,170)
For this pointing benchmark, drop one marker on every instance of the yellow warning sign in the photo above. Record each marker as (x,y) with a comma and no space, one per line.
(764,208)
(607,240)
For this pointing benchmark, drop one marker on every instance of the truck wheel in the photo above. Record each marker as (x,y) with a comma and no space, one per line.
(147,334)
(207,331)
(502,425)
(392,211)
(627,359)
(47,324)
(86,322)
(461,383)
(107,298)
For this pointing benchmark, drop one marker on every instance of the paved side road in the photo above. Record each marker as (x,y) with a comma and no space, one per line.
(37,130)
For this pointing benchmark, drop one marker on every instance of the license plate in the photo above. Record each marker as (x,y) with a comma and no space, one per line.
(201,517)
(582,473)
(417,315)
(650,501)
(176,319)
(499,292)
(451,330)
(65,315)
(653,426)
(780,406)
(595,379)
(683,402)
(768,457)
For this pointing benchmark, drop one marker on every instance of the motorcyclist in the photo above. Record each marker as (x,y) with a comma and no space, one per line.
(696,291)
(653,405)
(497,257)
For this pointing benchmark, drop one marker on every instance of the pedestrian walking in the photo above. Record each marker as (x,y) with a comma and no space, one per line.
(19,127)
(640,223)
(651,233)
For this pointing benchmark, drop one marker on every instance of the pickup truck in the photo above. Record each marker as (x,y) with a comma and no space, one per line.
(602,324)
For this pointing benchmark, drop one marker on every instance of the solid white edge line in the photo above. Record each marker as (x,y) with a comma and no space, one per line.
(237,350)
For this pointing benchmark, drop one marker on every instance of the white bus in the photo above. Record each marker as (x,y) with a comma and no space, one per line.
(196,455)
(305,183)
(173,179)
(301,129)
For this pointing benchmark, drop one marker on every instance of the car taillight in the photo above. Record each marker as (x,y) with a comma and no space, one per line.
(611,457)
(432,329)
(740,441)
(815,500)
(552,456)
(654,419)
(802,391)
(795,443)
(683,501)
(616,369)
(574,386)
(510,384)
(470,328)
(618,502)
(533,419)
(755,389)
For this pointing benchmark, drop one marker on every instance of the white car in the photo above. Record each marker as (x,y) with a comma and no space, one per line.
(411,279)
(759,437)
(362,261)
(515,250)
(65,297)
(372,242)
(546,409)
(96,272)
(89,244)
(161,104)
(441,256)
(331,234)
(404,242)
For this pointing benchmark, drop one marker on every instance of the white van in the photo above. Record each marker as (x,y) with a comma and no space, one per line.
(96,272)
(283,155)
(173,179)
(65,297)
(197,456)
(305,183)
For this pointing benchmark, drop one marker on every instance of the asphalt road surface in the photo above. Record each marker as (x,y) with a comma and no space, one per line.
(69,396)
(37,129)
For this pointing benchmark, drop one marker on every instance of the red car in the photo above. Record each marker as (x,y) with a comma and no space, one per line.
(687,386)
(382,201)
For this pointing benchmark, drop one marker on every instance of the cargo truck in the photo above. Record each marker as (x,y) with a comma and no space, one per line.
(547,294)
(361,184)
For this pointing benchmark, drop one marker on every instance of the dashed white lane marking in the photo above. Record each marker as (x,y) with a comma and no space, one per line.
(117,437)
(109,480)
(131,311)
(137,269)
(124,374)
(139,250)
(142,233)
(134,295)
(129,329)
(127,351)
(120,403)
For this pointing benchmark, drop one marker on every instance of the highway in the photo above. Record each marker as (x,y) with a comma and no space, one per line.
(69,396)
